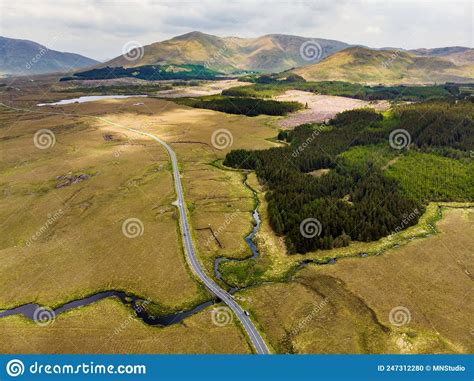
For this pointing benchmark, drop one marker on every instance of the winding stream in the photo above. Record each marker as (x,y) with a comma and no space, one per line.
(248,239)
(32,310)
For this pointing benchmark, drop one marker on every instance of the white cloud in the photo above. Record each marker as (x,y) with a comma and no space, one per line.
(99,28)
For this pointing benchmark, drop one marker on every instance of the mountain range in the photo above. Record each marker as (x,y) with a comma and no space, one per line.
(269,53)
(23,57)
(363,65)
(312,58)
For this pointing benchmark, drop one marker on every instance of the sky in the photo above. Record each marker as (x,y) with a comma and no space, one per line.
(101,28)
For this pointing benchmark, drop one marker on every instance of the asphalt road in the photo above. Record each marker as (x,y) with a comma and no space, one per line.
(252,332)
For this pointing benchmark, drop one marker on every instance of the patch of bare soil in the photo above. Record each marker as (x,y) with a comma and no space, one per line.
(322,107)
(391,162)
(319,172)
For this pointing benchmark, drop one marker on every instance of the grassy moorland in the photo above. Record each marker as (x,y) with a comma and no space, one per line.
(64,210)
(85,250)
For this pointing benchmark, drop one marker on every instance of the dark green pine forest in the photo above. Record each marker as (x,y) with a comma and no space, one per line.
(359,199)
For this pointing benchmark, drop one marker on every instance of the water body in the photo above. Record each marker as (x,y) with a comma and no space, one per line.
(33,311)
(89,98)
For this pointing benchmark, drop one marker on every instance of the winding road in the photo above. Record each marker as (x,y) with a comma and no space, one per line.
(252,332)
(214,288)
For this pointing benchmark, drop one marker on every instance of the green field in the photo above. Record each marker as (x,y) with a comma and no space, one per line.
(423,176)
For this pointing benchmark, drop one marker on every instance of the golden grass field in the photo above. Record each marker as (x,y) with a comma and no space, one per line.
(213,196)
(84,250)
(344,308)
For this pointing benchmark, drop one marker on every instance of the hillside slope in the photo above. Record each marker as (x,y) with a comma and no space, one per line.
(363,65)
(23,57)
(269,53)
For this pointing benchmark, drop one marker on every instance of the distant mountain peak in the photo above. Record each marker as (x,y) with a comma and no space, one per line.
(25,57)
